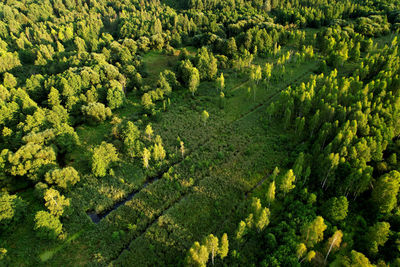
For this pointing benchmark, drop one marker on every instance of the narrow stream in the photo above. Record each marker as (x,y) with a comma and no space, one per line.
(96,218)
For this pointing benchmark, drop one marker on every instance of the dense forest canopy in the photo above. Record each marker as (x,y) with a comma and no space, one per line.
(199,133)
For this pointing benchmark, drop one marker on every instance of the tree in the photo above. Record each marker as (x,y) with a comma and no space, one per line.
(10,208)
(31,160)
(182,148)
(198,255)
(256,74)
(131,135)
(231,48)
(194,80)
(147,101)
(385,192)
(204,116)
(313,232)
(300,250)
(146,157)
(377,236)
(96,111)
(221,82)
(47,225)
(223,247)
(271,193)
(115,95)
(55,202)
(286,184)
(335,209)
(211,244)
(148,131)
(63,178)
(334,243)
(103,155)
(159,152)
(356,259)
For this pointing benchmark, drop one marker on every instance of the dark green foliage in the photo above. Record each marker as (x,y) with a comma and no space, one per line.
(336,209)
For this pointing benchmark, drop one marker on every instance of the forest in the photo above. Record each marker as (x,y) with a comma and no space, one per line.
(200,133)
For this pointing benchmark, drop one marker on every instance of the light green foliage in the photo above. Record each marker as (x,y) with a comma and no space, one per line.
(55,202)
(204,116)
(211,243)
(356,259)
(102,157)
(197,256)
(158,152)
(148,131)
(194,80)
(300,250)
(9,81)
(259,216)
(115,95)
(30,160)
(206,64)
(47,225)
(63,178)
(131,135)
(271,192)
(147,101)
(334,242)
(286,182)
(221,82)
(377,236)
(10,208)
(223,246)
(96,111)
(241,230)
(199,253)
(146,157)
(313,232)
(385,191)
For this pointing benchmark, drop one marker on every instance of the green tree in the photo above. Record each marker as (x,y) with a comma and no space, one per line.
(96,111)
(147,101)
(47,225)
(115,95)
(271,193)
(286,182)
(204,116)
(148,131)
(197,256)
(63,178)
(300,250)
(55,202)
(194,80)
(11,207)
(223,246)
(313,232)
(384,194)
(158,152)
(377,236)
(334,243)
(103,155)
(335,209)
(221,82)
(146,157)
(211,243)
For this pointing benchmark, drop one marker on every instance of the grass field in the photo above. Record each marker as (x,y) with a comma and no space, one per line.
(201,190)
